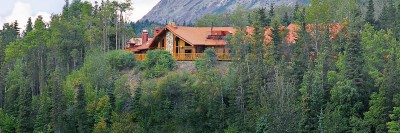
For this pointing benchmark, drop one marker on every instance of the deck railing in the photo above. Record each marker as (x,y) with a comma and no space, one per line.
(140,56)
(189,57)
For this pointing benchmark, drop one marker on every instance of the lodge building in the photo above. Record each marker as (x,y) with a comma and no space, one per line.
(188,43)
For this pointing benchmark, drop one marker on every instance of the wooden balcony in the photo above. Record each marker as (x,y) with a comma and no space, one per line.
(140,56)
(189,57)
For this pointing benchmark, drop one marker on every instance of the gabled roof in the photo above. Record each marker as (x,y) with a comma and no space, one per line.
(191,35)
(198,35)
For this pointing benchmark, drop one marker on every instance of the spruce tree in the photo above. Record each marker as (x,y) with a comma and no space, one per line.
(80,107)
(296,11)
(271,15)
(16,28)
(58,101)
(277,41)
(285,19)
(25,107)
(29,26)
(369,17)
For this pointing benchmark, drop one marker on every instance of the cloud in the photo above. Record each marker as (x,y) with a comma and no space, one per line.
(140,7)
(2,20)
(21,10)
(21,13)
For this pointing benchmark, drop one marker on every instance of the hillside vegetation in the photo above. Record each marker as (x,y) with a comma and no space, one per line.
(71,75)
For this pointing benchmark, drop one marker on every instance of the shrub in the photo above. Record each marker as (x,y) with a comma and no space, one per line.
(120,59)
(208,60)
(158,63)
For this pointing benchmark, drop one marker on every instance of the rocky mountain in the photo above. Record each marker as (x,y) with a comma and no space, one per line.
(190,10)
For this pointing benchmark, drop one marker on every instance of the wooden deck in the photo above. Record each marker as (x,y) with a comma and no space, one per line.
(189,57)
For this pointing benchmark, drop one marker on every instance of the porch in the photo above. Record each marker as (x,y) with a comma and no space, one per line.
(189,56)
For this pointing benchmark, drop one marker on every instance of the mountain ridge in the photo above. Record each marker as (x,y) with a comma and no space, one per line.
(191,10)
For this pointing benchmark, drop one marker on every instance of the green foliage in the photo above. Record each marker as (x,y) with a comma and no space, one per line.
(394,125)
(376,111)
(158,63)
(343,106)
(80,110)
(370,15)
(120,59)
(169,105)
(25,118)
(62,76)
(208,61)
(8,123)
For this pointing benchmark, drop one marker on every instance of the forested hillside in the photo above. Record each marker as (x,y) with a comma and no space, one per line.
(71,75)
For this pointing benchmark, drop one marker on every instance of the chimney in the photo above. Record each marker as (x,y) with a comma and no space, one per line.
(156,30)
(173,24)
(145,36)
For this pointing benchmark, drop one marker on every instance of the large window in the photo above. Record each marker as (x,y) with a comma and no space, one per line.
(176,45)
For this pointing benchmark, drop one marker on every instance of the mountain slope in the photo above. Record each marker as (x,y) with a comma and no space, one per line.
(190,10)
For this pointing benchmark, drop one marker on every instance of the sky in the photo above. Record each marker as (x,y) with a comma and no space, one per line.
(21,10)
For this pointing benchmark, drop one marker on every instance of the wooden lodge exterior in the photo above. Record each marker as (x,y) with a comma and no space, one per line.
(185,43)
(189,43)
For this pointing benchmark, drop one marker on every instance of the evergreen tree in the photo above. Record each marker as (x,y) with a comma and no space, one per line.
(277,41)
(25,107)
(355,63)
(285,20)
(369,17)
(57,109)
(80,107)
(388,15)
(312,96)
(16,28)
(271,15)
(296,11)
(29,26)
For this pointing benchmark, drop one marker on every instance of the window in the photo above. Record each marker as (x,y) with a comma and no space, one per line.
(176,45)
(187,44)
(162,43)
(188,51)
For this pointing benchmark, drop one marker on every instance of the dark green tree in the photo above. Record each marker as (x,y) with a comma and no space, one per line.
(271,15)
(369,17)
(29,26)
(57,97)
(25,106)
(80,110)
(285,19)
(276,40)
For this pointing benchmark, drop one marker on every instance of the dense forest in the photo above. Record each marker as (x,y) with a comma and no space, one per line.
(71,75)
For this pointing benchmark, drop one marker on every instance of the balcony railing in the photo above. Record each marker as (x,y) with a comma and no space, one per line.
(140,56)
(189,57)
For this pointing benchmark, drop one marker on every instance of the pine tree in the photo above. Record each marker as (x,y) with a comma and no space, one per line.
(296,11)
(80,107)
(355,69)
(29,26)
(16,28)
(388,15)
(285,20)
(271,15)
(58,101)
(25,107)
(277,41)
(3,70)
(369,17)
(313,96)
